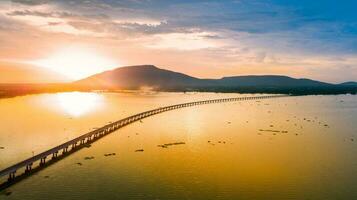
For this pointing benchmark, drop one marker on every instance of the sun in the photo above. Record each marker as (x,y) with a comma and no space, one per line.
(69,102)
(76,62)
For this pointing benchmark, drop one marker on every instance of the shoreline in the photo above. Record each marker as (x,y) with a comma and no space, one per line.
(15,90)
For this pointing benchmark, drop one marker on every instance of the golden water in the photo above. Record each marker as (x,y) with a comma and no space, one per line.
(228,154)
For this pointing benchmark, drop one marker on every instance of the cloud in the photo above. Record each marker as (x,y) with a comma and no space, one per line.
(57,14)
(244,33)
(182,41)
(40,14)
(31,2)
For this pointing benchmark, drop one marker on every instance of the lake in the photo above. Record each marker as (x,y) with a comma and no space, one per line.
(283,148)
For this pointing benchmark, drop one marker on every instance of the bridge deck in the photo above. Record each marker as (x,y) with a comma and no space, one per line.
(96,134)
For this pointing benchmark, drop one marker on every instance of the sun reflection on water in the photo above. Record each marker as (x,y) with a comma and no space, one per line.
(79,103)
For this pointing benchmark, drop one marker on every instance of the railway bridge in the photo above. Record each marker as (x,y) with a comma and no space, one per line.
(27,167)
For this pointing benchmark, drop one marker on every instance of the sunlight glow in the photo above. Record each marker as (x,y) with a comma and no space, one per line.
(78,103)
(76,62)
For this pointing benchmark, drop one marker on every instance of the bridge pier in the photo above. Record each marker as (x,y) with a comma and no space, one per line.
(54,155)
(12,176)
(65,150)
(43,161)
(28,168)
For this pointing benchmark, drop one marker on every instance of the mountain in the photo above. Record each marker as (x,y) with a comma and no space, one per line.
(143,76)
(350,83)
(268,81)
(134,77)
(12,72)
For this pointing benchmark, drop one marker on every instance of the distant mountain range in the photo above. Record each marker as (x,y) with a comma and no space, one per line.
(350,83)
(149,76)
(136,77)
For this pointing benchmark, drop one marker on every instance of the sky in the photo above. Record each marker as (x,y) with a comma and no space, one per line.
(206,39)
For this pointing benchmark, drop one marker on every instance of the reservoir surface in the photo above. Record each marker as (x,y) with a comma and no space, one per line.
(282,148)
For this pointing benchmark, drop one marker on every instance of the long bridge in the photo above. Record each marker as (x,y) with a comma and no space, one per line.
(55,154)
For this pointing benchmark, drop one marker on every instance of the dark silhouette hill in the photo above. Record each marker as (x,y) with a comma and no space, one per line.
(138,77)
(134,77)
(350,83)
(268,81)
